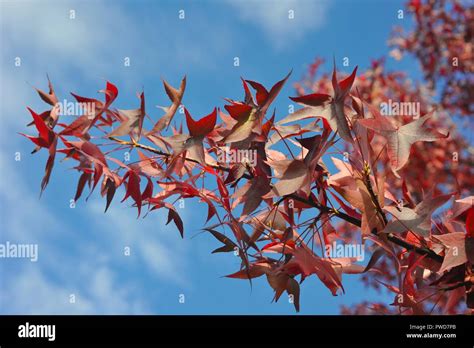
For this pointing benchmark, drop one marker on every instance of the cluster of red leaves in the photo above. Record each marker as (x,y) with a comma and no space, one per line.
(279,212)
(277,189)
(447,162)
(446,165)
(443,43)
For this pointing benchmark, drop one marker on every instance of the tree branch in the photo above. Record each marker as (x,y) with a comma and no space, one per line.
(341,215)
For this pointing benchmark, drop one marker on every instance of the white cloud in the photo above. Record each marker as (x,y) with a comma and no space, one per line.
(26,288)
(90,46)
(85,266)
(102,34)
(156,245)
(273,17)
(32,292)
(91,49)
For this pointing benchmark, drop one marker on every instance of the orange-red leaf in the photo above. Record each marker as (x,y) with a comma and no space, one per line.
(202,127)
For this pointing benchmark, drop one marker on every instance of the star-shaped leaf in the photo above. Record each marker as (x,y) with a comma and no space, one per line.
(331,108)
(132,121)
(417,220)
(455,249)
(400,139)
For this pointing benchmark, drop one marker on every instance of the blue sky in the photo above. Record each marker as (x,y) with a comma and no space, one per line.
(81,249)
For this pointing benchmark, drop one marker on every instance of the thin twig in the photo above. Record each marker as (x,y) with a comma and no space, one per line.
(341,215)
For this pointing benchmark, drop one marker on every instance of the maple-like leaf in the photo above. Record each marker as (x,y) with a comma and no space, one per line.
(331,108)
(46,139)
(417,220)
(281,282)
(248,114)
(305,262)
(192,145)
(81,125)
(455,249)
(176,96)
(50,117)
(92,154)
(461,207)
(293,175)
(297,174)
(202,127)
(255,270)
(49,97)
(400,139)
(251,194)
(228,246)
(46,135)
(132,121)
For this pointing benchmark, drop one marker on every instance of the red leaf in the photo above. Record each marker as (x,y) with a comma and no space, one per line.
(315,99)
(238,111)
(202,127)
(37,141)
(49,97)
(400,139)
(346,84)
(132,121)
(274,91)
(262,93)
(455,249)
(307,263)
(91,150)
(133,189)
(254,271)
(176,96)
(49,164)
(109,189)
(45,133)
(111,92)
(148,191)
(84,178)
(293,174)
(173,215)
(470,222)
(86,100)
(77,127)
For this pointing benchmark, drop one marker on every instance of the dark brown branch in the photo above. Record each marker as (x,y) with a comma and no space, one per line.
(458,285)
(159,152)
(373,196)
(341,215)
(403,243)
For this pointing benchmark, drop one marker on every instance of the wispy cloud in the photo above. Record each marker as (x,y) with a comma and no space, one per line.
(75,260)
(155,244)
(283,21)
(33,292)
(71,260)
(28,287)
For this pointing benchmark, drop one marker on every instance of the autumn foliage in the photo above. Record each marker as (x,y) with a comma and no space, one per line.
(334,170)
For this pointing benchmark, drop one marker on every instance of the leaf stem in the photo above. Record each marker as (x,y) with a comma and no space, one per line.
(341,215)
